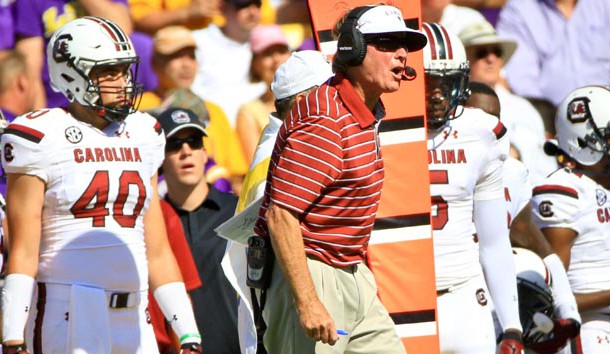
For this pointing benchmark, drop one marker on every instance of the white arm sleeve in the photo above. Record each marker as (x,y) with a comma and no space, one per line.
(16,301)
(497,260)
(564,300)
(176,307)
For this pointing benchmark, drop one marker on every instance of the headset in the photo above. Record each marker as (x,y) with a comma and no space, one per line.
(351,45)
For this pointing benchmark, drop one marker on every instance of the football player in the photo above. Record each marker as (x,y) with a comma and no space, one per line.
(571,207)
(466,151)
(524,233)
(87,232)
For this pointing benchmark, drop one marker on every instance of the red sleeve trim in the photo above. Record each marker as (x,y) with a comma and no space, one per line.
(555,189)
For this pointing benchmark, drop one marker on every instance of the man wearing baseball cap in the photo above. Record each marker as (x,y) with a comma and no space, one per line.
(322,194)
(201,208)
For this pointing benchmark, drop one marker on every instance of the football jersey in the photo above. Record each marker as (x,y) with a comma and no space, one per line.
(517,187)
(97,189)
(574,201)
(465,161)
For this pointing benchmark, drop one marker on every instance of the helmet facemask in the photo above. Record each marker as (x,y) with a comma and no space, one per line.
(131,93)
(446,92)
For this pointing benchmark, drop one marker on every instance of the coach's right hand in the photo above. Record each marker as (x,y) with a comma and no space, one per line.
(316,322)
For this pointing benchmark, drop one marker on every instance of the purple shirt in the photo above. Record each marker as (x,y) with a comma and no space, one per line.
(40,18)
(143,44)
(556,55)
(7,25)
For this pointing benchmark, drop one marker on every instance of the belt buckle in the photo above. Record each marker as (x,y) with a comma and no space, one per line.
(119,300)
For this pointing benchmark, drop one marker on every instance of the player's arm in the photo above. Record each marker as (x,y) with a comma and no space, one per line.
(164,276)
(287,241)
(25,197)
(114,11)
(562,239)
(524,233)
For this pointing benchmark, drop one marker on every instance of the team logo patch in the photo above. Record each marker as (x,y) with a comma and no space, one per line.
(8,152)
(578,110)
(544,208)
(601,197)
(61,48)
(74,135)
(180,117)
(481,297)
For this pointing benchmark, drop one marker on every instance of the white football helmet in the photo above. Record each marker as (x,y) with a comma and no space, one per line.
(84,43)
(583,124)
(447,70)
(536,309)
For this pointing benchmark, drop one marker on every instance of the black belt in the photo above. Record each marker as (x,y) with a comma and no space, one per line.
(119,300)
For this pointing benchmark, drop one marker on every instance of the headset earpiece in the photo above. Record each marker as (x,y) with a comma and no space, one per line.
(351,45)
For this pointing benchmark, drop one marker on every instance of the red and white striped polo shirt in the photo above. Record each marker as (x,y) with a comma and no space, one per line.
(327,167)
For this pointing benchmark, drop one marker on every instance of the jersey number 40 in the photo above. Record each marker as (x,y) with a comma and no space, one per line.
(98,190)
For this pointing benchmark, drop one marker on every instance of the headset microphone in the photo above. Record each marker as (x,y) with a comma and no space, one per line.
(409,74)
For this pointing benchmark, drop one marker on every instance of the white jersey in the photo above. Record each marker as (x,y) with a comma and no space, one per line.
(465,162)
(517,187)
(97,189)
(574,201)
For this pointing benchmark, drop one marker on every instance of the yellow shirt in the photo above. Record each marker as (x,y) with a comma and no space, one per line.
(141,8)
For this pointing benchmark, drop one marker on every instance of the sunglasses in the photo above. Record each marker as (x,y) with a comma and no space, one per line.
(194,142)
(386,43)
(485,51)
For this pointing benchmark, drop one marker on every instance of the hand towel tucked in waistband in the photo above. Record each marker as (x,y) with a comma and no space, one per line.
(89,327)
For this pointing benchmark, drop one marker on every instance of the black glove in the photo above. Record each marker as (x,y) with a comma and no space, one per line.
(563,331)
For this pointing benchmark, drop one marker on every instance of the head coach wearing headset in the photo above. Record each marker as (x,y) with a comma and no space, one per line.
(322,194)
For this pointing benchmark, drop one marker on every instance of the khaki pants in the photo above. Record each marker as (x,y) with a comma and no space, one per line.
(350,296)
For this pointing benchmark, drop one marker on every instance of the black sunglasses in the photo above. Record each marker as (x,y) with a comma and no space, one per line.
(194,142)
(485,51)
(386,43)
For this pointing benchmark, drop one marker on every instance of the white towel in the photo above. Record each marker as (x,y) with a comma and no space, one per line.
(89,326)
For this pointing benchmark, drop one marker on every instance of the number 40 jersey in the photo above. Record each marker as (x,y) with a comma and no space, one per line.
(465,160)
(97,189)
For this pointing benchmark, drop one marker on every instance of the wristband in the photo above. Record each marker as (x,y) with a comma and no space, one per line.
(176,307)
(16,301)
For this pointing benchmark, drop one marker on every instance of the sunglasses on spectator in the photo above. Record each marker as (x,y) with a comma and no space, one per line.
(485,51)
(194,142)
(386,43)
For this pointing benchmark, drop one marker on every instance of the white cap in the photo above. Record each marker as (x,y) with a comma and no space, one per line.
(302,71)
(388,19)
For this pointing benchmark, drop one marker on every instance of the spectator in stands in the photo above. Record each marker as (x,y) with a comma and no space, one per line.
(487,54)
(269,50)
(175,64)
(224,57)
(563,45)
(454,18)
(36,21)
(150,16)
(490,9)
(201,208)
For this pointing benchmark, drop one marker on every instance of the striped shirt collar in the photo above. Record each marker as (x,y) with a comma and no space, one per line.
(354,103)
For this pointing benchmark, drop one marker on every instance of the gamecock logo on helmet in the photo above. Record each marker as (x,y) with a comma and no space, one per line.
(61,48)
(578,110)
